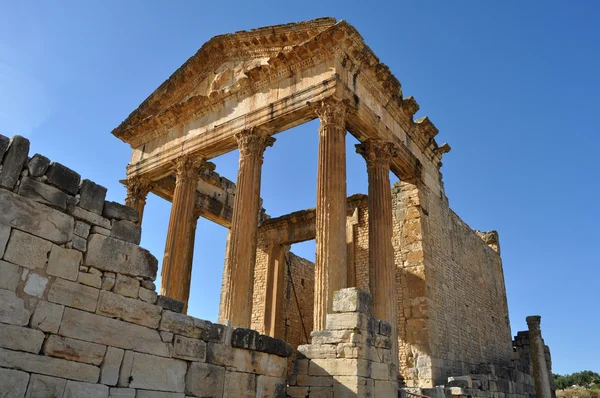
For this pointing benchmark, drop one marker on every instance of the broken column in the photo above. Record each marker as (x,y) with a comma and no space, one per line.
(538,358)
(138,188)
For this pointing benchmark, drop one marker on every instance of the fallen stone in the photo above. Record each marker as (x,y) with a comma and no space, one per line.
(155,373)
(73,294)
(27,250)
(109,371)
(47,316)
(92,196)
(127,309)
(109,254)
(13,383)
(239,385)
(205,380)
(191,327)
(89,217)
(13,161)
(35,285)
(9,276)
(149,296)
(42,193)
(21,339)
(117,211)
(89,279)
(45,386)
(75,389)
(63,178)
(38,165)
(13,309)
(82,229)
(126,286)
(74,350)
(64,263)
(189,349)
(127,231)
(117,392)
(169,304)
(352,300)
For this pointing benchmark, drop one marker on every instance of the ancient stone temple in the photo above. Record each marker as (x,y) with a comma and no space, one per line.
(403,298)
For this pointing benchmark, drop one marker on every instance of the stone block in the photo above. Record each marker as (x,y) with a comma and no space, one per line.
(273,387)
(348,320)
(460,381)
(75,389)
(74,350)
(27,250)
(117,211)
(92,218)
(239,385)
(43,193)
(117,392)
(93,280)
(109,371)
(332,336)
(125,371)
(35,218)
(385,389)
(47,316)
(127,231)
(380,371)
(108,282)
(79,243)
(63,177)
(205,380)
(191,327)
(273,346)
(99,230)
(21,339)
(149,296)
(127,309)
(48,366)
(82,229)
(339,367)
(35,285)
(4,143)
(353,386)
(126,286)
(9,276)
(170,304)
(156,373)
(158,394)
(167,337)
(148,284)
(38,165)
(4,235)
(385,328)
(276,366)
(72,294)
(13,309)
(99,329)
(317,351)
(13,383)
(13,161)
(114,255)
(91,196)
(244,338)
(189,349)
(41,386)
(64,263)
(352,300)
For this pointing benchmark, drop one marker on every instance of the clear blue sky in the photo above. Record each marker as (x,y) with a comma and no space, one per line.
(513,86)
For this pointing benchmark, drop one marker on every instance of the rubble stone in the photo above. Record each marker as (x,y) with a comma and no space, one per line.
(4,142)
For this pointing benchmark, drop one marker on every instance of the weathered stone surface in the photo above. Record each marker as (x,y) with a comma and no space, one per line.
(75,389)
(317,351)
(41,386)
(125,371)
(127,231)
(9,276)
(99,230)
(158,394)
(74,350)
(109,371)
(89,217)
(4,142)
(81,229)
(27,250)
(79,243)
(191,327)
(155,373)
(148,296)
(189,349)
(385,328)
(13,309)
(35,218)
(349,320)
(267,386)
(4,235)
(127,309)
(48,366)
(239,385)
(47,316)
(108,282)
(244,338)
(13,383)
(73,294)
(13,161)
(339,367)
(99,329)
(38,165)
(115,255)
(63,178)
(88,279)
(20,338)
(64,263)
(148,284)
(352,300)
(167,337)
(42,193)
(117,392)
(205,380)
(126,286)
(169,304)
(92,196)
(35,285)
(117,211)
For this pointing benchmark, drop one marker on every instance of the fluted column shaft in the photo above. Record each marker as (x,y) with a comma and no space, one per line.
(177,261)
(541,375)
(137,191)
(244,228)
(331,264)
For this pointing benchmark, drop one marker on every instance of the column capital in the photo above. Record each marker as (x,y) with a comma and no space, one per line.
(534,322)
(138,187)
(252,142)
(332,114)
(189,167)
(377,152)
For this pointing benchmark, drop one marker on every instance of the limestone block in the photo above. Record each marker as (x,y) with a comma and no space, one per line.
(63,178)
(167,337)
(349,350)
(88,279)
(205,380)
(109,371)
(352,300)
(99,329)
(38,165)
(4,142)
(20,338)
(73,294)
(99,230)
(35,285)
(27,250)
(300,366)
(147,295)
(9,275)
(380,371)
(92,196)
(191,327)
(13,383)
(252,340)
(41,386)
(272,387)
(339,367)
(189,349)
(239,385)
(332,336)
(126,286)
(43,193)
(315,392)
(47,316)
(158,394)
(155,373)
(35,218)
(117,392)
(4,235)
(109,254)
(125,371)
(75,389)
(13,162)
(148,284)
(117,211)
(127,231)
(74,350)
(385,389)
(348,320)
(385,328)
(353,386)
(91,218)
(79,243)
(82,229)
(460,381)
(64,263)
(169,304)
(127,309)
(276,366)
(108,282)
(317,351)
(13,309)
(48,366)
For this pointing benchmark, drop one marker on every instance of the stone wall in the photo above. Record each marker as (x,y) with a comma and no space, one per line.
(79,313)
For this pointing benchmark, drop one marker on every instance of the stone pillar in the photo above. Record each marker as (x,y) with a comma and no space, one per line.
(275,290)
(331,264)
(244,228)
(188,276)
(138,188)
(382,268)
(176,267)
(538,358)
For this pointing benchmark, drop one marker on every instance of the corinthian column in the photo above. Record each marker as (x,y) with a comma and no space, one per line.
(541,376)
(382,269)
(244,227)
(137,191)
(176,267)
(330,265)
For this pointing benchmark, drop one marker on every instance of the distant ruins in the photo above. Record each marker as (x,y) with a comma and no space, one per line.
(404,298)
